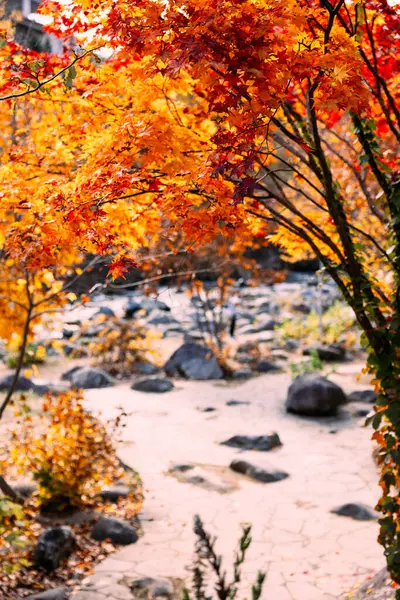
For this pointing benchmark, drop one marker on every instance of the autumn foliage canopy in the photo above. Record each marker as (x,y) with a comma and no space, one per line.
(242,119)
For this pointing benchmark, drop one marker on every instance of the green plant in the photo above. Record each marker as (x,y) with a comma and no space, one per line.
(311,365)
(207,559)
(34,355)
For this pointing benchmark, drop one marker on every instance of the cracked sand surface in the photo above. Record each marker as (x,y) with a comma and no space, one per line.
(307,552)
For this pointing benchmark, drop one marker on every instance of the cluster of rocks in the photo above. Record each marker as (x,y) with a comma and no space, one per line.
(57,543)
(258,316)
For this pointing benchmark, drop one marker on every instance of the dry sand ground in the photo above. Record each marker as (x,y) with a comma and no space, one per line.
(307,552)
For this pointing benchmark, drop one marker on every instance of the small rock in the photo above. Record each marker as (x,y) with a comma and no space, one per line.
(361,412)
(379,587)
(163,320)
(305,309)
(67,376)
(93,330)
(359,512)
(115,493)
(155,588)
(279,354)
(207,409)
(257,473)
(74,349)
(268,325)
(156,386)
(24,384)
(69,333)
(201,368)
(116,530)
(315,396)
(45,388)
(90,378)
(53,546)
(60,593)
(330,352)
(180,467)
(194,362)
(26,490)
(146,368)
(291,345)
(131,309)
(202,478)
(369,396)
(262,443)
(244,359)
(173,332)
(236,402)
(242,373)
(103,310)
(267,366)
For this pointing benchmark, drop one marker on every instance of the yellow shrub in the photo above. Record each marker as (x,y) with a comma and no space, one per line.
(69,454)
(120,344)
(336,324)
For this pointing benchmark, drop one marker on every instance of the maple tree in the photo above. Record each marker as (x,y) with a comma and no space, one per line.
(219,118)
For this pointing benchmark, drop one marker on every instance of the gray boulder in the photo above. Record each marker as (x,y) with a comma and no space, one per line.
(377,588)
(267,366)
(24,384)
(90,377)
(67,376)
(314,396)
(329,352)
(154,588)
(257,473)
(115,493)
(53,546)
(268,325)
(356,511)
(369,396)
(157,385)
(59,593)
(116,530)
(103,310)
(262,443)
(193,361)
(145,368)
(242,373)
(202,369)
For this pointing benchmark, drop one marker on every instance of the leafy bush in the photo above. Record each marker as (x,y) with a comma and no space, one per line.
(312,365)
(337,324)
(12,536)
(120,344)
(208,559)
(70,455)
(34,355)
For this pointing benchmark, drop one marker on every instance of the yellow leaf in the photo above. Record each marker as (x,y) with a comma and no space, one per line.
(28,372)
(40,352)
(71,296)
